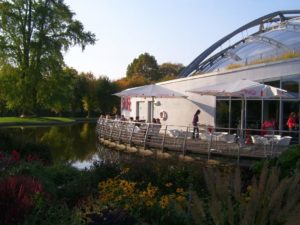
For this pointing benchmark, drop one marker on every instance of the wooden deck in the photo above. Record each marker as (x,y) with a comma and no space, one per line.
(130,136)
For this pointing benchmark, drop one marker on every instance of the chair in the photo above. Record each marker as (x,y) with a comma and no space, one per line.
(284,141)
(228,138)
(259,140)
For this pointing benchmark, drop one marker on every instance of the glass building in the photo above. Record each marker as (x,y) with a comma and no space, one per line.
(266,50)
(276,39)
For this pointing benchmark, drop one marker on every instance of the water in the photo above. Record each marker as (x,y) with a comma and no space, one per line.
(75,144)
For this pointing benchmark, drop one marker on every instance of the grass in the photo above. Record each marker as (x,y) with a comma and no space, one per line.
(34,119)
(284,56)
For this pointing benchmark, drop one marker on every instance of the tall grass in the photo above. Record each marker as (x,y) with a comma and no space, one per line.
(266,201)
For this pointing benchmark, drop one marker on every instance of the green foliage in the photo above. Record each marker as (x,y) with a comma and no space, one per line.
(145,65)
(104,92)
(48,212)
(89,99)
(170,70)
(33,36)
(55,92)
(34,119)
(289,160)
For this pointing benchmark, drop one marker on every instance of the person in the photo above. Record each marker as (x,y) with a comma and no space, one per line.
(268,126)
(291,122)
(158,123)
(195,124)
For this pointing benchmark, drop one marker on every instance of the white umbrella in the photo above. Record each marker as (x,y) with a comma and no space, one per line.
(150,91)
(241,88)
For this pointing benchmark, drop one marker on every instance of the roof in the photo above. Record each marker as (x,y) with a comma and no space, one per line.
(273,36)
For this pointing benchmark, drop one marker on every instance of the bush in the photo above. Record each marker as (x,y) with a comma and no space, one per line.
(16,194)
(50,213)
(289,161)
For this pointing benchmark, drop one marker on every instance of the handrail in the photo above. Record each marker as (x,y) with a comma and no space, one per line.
(182,139)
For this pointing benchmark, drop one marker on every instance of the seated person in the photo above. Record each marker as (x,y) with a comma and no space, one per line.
(268,127)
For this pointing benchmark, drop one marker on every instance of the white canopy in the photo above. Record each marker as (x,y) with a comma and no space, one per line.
(151,90)
(241,88)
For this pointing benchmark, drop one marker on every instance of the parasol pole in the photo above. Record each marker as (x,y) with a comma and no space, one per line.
(152,110)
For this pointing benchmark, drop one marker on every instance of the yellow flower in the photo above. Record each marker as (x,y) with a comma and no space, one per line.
(180,198)
(179,190)
(164,201)
(168,184)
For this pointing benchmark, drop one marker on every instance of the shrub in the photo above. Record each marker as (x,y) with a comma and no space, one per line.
(145,202)
(47,212)
(16,194)
(289,161)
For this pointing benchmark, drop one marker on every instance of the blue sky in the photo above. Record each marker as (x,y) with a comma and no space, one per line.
(175,31)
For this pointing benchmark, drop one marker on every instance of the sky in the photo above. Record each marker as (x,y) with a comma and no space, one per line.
(175,31)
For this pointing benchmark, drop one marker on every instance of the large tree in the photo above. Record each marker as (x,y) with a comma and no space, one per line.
(145,65)
(33,36)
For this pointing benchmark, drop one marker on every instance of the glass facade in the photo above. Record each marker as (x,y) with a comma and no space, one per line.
(228,110)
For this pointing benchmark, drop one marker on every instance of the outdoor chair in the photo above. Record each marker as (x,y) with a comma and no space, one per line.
(284,141)
(259,140)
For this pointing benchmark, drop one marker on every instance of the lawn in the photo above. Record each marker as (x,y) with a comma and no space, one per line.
(34,119)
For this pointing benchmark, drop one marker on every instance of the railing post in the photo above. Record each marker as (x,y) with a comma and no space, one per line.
(163,140)
(111,131)
(146,135)
(184,141)
(130,139)
(120,132)
(238,154)
(209,142)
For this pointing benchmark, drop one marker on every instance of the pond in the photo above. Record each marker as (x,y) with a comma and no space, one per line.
(75,144)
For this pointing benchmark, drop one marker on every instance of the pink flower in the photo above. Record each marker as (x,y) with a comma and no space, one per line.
(2,155)
(15,155)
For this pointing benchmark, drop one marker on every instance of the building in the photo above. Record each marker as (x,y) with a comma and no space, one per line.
(268,52)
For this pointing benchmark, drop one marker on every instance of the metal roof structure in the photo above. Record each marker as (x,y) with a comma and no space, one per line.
(272,35)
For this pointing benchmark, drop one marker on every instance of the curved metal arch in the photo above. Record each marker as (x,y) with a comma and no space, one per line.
(193,66)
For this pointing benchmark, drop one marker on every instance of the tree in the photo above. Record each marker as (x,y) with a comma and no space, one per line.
(89,99)
(56,91)
(33,36)
(170,69)
(133,81)
(145,65)
(104,91)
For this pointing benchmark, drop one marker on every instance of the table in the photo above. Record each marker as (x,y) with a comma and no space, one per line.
(217,135)
(272,139)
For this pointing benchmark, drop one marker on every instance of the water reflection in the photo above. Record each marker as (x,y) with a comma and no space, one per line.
(74,143)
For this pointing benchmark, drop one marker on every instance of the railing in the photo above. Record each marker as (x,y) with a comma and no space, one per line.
(212,140)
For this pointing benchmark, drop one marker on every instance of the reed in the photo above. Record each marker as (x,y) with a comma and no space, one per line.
(266,200)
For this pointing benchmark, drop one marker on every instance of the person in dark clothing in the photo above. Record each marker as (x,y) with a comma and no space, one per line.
(195,124)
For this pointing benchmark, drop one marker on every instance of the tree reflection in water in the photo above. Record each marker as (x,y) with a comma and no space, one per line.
(67,143)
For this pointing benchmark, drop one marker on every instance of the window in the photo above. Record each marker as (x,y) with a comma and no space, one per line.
(292,87)
(222,113)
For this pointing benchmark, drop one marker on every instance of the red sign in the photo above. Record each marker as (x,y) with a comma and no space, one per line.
(126,104)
